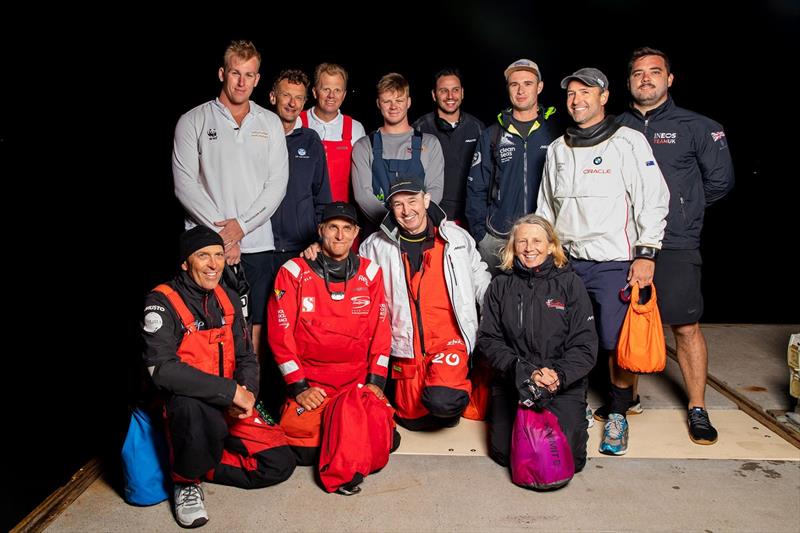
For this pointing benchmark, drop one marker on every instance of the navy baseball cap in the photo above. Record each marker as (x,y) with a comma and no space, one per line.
(340,210)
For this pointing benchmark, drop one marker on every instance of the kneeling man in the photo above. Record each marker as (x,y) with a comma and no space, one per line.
(328,331)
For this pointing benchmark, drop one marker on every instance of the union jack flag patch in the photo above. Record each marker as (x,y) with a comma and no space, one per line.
(717,135)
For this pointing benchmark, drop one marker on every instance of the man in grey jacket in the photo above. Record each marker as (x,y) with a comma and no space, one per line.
(393,151)
(608,201)
(433,277)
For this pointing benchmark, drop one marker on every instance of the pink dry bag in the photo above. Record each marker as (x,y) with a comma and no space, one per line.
(541,458)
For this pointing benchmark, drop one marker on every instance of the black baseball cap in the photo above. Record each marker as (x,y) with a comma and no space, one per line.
(412,185)
(340,210)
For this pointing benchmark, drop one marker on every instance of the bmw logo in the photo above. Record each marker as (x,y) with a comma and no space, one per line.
(302,152)
(597,160)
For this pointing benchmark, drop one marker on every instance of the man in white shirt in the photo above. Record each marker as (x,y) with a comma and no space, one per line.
(231,168)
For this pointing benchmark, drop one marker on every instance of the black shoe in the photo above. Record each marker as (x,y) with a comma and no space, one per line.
(700,429)
(348,491)
(634,408)
(395,440)
(351,487)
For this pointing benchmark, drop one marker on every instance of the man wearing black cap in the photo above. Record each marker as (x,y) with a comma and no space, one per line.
(433,314)
(327,330)
(197,350)
(608,201)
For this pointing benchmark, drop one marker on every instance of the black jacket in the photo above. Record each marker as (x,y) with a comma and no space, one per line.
(543,317)
(692,153)
(458,146)
(162,332)
(294,224)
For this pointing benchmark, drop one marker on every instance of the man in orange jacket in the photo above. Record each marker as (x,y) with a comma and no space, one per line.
(199,354)
(327,329)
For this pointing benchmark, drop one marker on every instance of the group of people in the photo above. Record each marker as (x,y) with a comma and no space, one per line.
(510,243)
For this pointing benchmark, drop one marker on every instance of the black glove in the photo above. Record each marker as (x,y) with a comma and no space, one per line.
(233,278)
(530,394)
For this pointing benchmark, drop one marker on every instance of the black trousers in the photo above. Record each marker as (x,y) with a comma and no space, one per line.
(568,406)
(205,443)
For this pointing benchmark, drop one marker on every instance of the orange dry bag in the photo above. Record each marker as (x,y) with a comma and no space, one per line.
(641,346)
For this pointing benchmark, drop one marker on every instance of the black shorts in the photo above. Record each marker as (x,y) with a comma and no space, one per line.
(677,281)
(260,269)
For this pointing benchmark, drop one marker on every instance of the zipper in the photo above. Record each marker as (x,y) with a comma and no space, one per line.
(531,284)
(646,121)
(683,210)
(453,299)
(519,310)
(220,346)
(452,269)
(525,174)
(415,300)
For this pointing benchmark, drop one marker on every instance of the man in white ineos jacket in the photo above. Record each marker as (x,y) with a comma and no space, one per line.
(433,276)
(604,193)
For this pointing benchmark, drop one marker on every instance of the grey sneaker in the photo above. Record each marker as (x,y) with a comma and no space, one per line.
(589,417)
(190,511)
(615,435)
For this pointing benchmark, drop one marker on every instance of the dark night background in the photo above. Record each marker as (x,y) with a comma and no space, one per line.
(86,140)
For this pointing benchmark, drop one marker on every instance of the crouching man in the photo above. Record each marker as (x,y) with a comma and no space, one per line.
(434,278)
(328,332)
(198,352)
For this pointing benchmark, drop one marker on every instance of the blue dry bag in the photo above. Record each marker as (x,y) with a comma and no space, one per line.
(145,465)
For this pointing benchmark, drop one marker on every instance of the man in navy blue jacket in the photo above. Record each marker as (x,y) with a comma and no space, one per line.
(692,152)
(503,183)
(458,133)
(294,224)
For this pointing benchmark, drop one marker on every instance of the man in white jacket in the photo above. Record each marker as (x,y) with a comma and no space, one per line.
(231,167)
(433,277)
(604,193)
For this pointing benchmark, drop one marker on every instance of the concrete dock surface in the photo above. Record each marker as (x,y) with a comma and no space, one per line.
(443,481)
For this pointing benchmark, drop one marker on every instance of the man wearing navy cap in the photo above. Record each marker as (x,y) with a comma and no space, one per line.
(433,313)
(198,352)
(328,331)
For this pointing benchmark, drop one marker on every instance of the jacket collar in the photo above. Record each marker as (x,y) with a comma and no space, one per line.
(504,119)
(542,271)
(576,137)
(342,273)
(187,286)
(662,109)
(443,125)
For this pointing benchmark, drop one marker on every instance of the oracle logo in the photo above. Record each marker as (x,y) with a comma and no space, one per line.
(597,171)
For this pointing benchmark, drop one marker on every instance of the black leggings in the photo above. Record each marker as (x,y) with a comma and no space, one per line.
(243,453)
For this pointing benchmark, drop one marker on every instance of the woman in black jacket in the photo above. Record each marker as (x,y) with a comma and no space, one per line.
(537,328)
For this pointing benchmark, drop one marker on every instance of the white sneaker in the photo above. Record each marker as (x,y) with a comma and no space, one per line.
(589,417)
(190,511)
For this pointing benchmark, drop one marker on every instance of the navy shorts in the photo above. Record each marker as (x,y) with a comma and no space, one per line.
(260,269)
(603,280)
(677,281)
